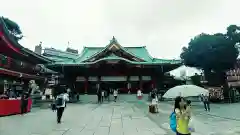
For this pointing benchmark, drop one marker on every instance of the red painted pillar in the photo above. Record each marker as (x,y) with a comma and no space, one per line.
(86,85)
(128,84)
(140,83)
(8,59)
(153,83)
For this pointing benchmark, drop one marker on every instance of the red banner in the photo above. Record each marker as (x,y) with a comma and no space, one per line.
(10,107)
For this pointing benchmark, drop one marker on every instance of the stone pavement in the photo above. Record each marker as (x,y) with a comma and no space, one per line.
(129,117)
(206,123)
(87,119)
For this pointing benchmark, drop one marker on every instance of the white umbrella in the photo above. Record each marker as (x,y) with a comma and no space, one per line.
(185,91)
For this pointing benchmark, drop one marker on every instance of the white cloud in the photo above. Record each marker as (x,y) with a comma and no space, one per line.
(163,26)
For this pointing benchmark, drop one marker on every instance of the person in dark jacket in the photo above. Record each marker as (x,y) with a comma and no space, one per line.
(99,96)
(24,103)
(108,94)
(61,100)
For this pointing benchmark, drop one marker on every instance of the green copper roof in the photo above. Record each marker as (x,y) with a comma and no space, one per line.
(88,52)
(114,42)
(141,52)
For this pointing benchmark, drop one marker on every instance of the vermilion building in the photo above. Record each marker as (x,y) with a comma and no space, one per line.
(113,66)
(17,64)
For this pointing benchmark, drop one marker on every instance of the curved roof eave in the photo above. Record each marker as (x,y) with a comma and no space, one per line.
(123,59)
(5,31)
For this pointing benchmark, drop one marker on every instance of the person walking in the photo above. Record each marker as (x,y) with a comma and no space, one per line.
(139,94)
(61,104)
(206,102)
(102,95)
(99,96)
(24,103)
(115,94)
(77,96)
(108,94)
(155,105)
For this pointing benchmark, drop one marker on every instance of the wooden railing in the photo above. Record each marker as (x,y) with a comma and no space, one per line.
(233,78)
(16,65)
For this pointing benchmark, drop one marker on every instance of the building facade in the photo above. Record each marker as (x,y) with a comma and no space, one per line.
(233,75)
(18,65)
(111,67)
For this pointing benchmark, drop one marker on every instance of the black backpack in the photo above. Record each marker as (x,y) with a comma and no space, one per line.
(59,101)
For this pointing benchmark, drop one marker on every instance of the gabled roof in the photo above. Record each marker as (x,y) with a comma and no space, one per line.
(140,52)
(15,46)
(63,58)
(113,45)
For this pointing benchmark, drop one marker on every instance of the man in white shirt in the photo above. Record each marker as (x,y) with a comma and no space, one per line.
(102,95)
(155,104)
(61,104)
(139,94)
(115,94)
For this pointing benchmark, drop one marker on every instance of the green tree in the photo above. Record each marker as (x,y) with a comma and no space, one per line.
(196,79)
(214,53)
(13,28)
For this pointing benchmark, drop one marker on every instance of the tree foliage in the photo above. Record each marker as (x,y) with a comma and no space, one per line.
(13,28)
(213,52)
(196,79)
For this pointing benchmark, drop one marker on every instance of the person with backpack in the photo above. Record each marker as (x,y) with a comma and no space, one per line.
(180,117)
(61,104)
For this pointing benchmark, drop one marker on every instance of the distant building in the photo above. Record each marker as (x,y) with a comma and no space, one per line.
(38,49)
(71,50)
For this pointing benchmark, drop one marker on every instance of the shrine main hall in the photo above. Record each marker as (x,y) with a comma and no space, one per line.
(111,67)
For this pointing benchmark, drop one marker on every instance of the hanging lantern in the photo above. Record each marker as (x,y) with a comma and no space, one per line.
(38,68)
(228,72)
(4,60)
(231,73)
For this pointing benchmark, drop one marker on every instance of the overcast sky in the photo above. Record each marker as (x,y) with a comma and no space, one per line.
(163,26)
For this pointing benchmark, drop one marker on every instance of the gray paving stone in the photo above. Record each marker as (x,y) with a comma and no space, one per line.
(158,131)
(56,132)
(145,132)
(86,132)
(102,131)
(74,131)
(105,124)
